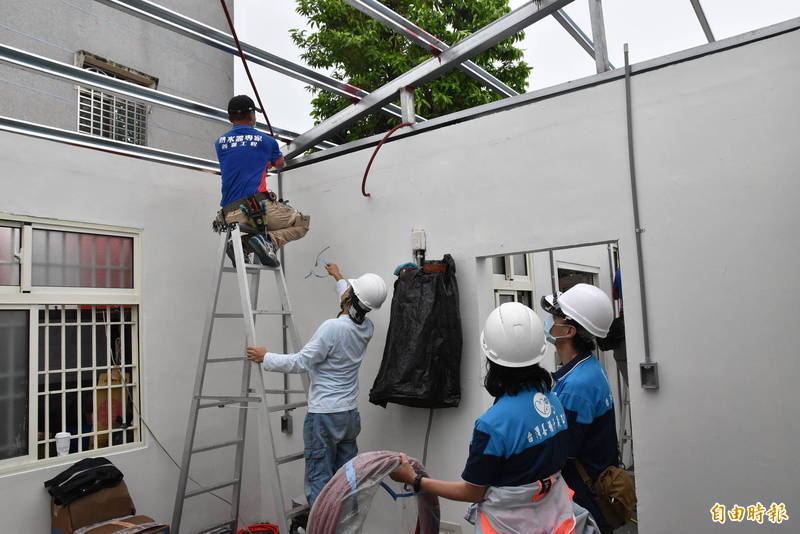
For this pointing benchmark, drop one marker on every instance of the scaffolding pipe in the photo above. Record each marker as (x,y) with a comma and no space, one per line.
(577,33)
(701,17)
(599,36)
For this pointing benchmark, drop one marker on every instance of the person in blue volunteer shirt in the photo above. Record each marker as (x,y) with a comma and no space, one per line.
(332,359)
(245,154)
(578,316)
(519,445)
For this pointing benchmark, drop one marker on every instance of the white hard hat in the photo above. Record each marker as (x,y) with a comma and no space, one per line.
(513,336)
(585,304)
(370,290)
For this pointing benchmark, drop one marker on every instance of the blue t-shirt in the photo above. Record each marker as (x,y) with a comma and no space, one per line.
(244,154)
(517,441)
(582,388)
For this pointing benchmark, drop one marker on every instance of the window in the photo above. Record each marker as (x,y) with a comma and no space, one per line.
(512,279)
(108,115)
(69,339)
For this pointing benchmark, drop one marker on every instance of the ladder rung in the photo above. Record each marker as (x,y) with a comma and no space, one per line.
(216,446)
(208,489)
(223,401)
(297,510)
(272,312)
(283,391)
(250,267)
(228,527)
(290,406)
(228,315)
(221,360)
(280,460)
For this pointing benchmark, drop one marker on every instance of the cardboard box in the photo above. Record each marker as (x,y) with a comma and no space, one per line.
(140,524)
(97,507)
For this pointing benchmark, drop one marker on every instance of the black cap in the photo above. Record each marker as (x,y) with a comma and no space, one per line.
(241,104)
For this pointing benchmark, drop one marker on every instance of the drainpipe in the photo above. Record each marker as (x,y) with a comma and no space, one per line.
(648,369)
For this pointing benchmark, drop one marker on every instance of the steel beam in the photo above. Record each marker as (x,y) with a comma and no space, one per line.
(65,71)
(7,124)
(173,21)
(420,37)
(701,16)
(599,36)
(576,32)
(470,46)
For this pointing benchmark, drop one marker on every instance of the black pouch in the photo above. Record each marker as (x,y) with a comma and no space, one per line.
(83,478)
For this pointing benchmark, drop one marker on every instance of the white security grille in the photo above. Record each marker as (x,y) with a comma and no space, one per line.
(88,377)
(107,115)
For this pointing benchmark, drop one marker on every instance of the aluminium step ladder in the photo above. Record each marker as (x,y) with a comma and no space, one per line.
(270,461)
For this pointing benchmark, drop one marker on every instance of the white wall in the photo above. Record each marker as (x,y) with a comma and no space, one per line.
(45,179)
(717,145)
(716,150)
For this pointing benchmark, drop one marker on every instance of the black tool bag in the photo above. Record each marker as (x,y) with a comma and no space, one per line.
(83,478)
(421,364)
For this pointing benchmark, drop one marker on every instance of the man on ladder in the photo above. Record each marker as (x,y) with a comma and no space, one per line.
(245,154)
(332,358)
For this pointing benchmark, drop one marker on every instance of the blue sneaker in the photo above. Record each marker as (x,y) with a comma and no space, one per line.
(264,250)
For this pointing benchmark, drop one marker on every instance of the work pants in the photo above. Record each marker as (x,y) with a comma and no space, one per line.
(284,223)
(330,442)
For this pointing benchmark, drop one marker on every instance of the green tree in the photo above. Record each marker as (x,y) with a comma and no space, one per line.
(365,53)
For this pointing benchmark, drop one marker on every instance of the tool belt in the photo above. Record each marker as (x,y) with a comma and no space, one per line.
(250,210)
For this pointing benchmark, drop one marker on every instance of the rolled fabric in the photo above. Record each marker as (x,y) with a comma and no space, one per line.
(344,502)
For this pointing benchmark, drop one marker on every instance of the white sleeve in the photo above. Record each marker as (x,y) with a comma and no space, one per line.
(341,287)
(316,350)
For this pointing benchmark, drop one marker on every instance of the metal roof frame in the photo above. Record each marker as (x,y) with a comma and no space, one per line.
(173,21)
(470,46)
(104,144)
(447,58)
(554,91)
(65,71)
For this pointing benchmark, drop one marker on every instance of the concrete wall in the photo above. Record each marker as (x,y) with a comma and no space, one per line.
(716,150)
(183,67)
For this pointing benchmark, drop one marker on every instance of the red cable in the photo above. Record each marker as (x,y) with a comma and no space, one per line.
(244,62)
(385,137)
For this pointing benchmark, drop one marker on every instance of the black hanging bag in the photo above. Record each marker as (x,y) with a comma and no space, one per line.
(421,364)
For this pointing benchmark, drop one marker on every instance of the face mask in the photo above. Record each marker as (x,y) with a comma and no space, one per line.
(548,325)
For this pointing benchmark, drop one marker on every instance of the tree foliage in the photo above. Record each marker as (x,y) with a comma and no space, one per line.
(363,52)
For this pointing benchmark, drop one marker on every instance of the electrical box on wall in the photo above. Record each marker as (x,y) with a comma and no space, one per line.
(417,240)
(649,375)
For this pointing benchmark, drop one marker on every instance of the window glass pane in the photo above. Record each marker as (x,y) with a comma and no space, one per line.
(520,265)
(70,259)
(503,298)
(499,265)
(14,380)
(9,265)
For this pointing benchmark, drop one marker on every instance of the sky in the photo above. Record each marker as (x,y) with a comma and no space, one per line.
(652,28)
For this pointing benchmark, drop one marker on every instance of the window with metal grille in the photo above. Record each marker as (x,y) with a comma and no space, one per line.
(69,339)
(107,115)
(87,377)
